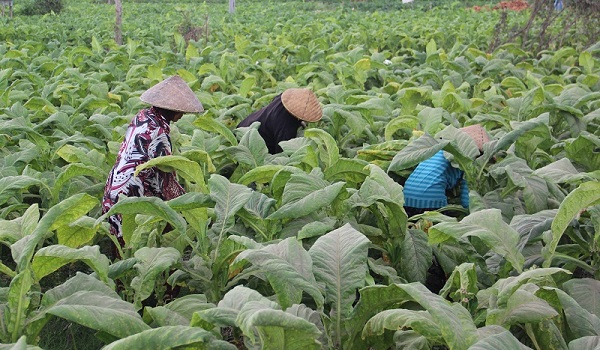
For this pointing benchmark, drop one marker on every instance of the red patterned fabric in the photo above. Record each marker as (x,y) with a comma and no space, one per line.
(147,137)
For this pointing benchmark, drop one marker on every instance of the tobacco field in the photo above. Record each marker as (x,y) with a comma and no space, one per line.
(310,248)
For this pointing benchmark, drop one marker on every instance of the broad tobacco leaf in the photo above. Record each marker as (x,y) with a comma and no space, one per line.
(340,263)
(489,227)
(288,268)
(587,194)
(169,337)
(151,262)
(51,258)
(304,194)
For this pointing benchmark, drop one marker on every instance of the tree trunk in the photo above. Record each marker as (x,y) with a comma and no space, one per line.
(119,14)
(231,6)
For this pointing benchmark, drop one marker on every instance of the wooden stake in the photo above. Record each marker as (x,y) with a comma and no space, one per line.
(118,19)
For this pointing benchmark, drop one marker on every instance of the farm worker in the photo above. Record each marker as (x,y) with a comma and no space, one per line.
(147,137)
(280,119)
(558,5)
(425,188)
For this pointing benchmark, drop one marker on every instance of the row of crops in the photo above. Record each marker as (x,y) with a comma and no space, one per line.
(309,248)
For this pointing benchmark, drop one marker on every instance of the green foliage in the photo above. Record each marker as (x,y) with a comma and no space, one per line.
(309,248)
(41,7)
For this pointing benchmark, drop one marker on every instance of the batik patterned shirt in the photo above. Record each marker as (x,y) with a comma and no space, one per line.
(147,137)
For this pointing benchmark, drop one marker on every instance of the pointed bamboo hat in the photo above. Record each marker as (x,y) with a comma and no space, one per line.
(478,134)
(302,104)
(173,94)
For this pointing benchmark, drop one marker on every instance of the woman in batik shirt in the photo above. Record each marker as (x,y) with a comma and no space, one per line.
(147,137)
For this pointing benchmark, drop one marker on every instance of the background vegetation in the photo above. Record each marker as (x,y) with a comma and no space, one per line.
(309,248)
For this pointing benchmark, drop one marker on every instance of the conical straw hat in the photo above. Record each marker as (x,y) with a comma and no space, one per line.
(302,104)
(478,134)
(173,94)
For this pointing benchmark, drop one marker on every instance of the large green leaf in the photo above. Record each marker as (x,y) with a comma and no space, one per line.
(18,304)
(518,130)
(57,216)
(464,144)
(229,199)
(546,335)
(78,233)
(586,292)
(407,122)
(410,339)
(350,170)
(11,185)
(185,168)
(431,119)
(521,307)
(261,174)
(412,96)
(455,323)
(277,329)
(21,344)
(416,255)
(587,194)
(226,312)
(395,319)
(151,263)
(373,299)
(585,343)
(192,200)
(462,282)
(99,311)
(504,340)
(13,230)
(580,322)
(79,282)
(179,312)
(169,337)
(328,150)
(304,194)
(71,171)
(251,151)
(489,227)
(582,150)
(51,258)
(153,206)
(561,171)
(378,186)
(340,263)
(288,268)
(499,294)
(417,151)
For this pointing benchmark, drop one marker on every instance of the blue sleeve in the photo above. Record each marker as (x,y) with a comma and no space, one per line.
(454,177)
(464,193)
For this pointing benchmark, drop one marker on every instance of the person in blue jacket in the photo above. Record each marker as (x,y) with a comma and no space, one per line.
(558,5)
(425,189)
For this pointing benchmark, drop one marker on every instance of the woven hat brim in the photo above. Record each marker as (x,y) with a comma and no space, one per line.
(302,104)
(173,94)
(478,134)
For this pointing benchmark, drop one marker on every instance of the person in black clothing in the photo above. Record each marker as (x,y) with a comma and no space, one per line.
(280,119)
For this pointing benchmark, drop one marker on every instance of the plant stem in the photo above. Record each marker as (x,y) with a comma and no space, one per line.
(6,270)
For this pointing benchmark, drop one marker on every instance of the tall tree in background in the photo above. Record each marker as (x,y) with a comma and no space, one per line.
(119,14)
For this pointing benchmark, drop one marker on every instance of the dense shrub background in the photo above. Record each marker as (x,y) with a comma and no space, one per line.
(41,7)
